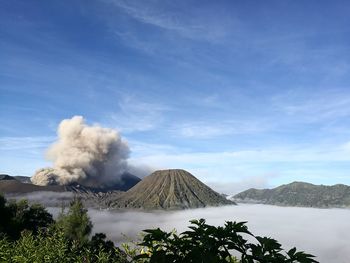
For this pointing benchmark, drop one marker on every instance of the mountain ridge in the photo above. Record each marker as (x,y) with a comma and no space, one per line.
(164,189)
(298,194)
(22,184)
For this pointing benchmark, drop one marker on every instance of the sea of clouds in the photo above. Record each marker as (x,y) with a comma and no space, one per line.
(322,232)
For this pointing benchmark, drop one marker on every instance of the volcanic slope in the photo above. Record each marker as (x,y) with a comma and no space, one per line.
(22,184)
(99,196)
(170,189)
(9,184)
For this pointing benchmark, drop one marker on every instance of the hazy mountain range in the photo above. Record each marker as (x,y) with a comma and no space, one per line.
(165,189)
(173,189)
(299,194)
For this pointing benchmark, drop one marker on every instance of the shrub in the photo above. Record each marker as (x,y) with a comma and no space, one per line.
(209,244)
(19,216)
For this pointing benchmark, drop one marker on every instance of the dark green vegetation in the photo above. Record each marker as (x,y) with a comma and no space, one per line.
(299,194)
(18,216)
(206,243)
(170,189)
(29,234)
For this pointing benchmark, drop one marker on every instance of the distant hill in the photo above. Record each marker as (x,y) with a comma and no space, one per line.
(23,179)
(6,177)
(299,194)
(100,196)
(11,185)
(170,189)
(22,184)
(166,189)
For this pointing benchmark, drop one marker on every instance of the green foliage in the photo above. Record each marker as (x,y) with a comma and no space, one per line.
(27,234)
(99,244)
(76,223)
(19,216)
(210,244)
(52,246)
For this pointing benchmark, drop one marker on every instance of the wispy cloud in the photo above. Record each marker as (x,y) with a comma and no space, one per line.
(25,143)
(319,106)
(242,184)
(135,114)
(23,155)
(215,129)
(283,154)
(257,168)
(140,148)
(162,15)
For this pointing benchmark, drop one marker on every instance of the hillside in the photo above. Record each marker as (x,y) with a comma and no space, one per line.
(299,194)
(22,184)
(10,185)
(166,189)
(19,187)
(170,189)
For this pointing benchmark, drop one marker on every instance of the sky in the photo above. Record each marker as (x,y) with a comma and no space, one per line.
(240,93)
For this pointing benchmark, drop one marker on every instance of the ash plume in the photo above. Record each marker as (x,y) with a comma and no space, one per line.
(84,154)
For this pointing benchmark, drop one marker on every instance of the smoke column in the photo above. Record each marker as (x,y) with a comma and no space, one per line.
(84,154)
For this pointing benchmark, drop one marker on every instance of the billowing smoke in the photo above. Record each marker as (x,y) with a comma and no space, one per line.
(84,154)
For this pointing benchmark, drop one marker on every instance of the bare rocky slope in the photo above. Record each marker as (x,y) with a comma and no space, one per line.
(170,189)
(299,194)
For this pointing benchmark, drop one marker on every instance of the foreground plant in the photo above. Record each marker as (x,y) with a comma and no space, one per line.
(209,244)
(29,234)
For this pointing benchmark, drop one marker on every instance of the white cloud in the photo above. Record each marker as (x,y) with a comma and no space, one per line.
(27,143)
(137,115)
(311,107)
(242,184)
(199,25)
(214,129)
(140,148)
(322,232)
(233,171)
(218,159)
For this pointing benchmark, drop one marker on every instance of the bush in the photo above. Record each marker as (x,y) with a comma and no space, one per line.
(52,246)
(28,234)
(210,244)
(19,216)
(76,223)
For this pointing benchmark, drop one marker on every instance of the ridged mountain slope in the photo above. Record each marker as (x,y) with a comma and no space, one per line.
(299,194)
(170,189)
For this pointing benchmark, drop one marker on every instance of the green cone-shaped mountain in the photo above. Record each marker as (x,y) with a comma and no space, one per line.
(170,189)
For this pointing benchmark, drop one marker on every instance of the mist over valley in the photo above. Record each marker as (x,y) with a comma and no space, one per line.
(322,232)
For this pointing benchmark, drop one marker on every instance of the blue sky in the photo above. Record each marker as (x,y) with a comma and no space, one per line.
(240,93)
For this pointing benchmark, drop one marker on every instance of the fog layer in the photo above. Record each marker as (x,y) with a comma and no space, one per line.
(322,232)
